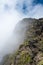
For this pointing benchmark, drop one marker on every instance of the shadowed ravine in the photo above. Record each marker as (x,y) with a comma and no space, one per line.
(28,43)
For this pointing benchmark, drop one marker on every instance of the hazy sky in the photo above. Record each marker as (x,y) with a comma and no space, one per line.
(11,11)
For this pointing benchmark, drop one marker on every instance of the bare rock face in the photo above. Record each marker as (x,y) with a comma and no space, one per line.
(30,51)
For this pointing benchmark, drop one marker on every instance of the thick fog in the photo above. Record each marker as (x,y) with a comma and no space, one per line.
(12,35)
(7,25)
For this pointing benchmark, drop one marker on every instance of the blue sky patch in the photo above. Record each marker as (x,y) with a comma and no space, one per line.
(35,2)
(23,7)
(27,6)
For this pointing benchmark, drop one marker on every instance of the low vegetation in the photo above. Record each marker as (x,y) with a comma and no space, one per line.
(30,51)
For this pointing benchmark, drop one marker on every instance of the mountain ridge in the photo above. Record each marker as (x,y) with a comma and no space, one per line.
(30,52)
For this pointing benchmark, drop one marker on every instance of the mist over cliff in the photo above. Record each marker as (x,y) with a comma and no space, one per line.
(27,44)
(15,38)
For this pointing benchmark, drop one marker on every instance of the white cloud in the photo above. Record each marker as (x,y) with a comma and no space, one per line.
(38,11)
(8,21)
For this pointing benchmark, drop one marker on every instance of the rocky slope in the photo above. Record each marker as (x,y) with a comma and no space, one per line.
(30,51)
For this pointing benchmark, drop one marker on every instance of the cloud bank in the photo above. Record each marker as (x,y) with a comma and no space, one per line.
(8,20)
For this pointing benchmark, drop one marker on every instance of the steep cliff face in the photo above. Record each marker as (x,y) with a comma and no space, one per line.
(30,51)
